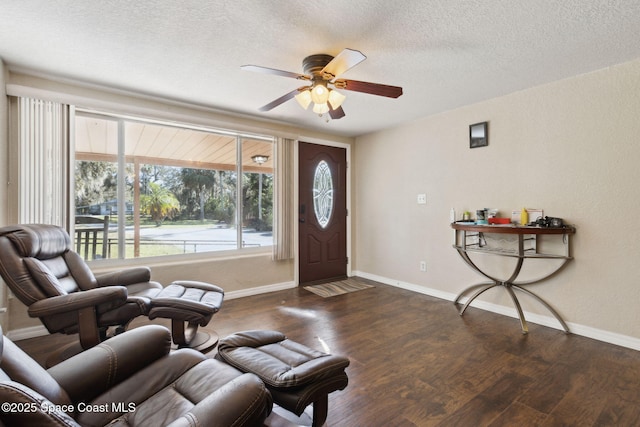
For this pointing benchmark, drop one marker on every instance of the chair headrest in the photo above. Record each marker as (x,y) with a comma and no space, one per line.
(42,241)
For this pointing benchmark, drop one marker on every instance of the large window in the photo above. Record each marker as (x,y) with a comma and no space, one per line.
(149,189)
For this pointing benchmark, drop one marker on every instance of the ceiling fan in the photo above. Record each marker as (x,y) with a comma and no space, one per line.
(322,70)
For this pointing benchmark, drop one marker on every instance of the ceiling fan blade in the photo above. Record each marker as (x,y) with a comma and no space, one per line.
(284,98)
(345,60)
(336,114)
(273,71)
(370,88)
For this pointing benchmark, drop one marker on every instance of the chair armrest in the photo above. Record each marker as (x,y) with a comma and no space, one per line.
(242,401)
(124,277)
(99,368)
(78,300)
(26,407)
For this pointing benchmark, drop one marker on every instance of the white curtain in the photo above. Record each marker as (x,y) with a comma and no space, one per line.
(284,215)
(43,167)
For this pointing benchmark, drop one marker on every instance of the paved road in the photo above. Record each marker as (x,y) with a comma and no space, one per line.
(221,238)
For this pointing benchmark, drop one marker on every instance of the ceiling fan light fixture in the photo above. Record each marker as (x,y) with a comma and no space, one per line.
(322,71)
(304,98)
(336,99)
(321,108)
(320,93)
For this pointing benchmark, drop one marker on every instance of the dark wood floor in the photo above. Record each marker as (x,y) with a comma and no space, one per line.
(416,362)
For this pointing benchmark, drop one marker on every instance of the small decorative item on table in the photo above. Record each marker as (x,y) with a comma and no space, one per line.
(500,221)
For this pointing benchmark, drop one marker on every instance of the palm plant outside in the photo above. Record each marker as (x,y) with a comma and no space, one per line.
(160,203)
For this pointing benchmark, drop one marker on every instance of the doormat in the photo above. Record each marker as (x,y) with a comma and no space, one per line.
(341,287)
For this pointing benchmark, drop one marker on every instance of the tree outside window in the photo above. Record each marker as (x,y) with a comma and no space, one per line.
(178,192)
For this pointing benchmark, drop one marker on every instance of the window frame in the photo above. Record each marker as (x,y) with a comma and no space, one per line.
(121,119)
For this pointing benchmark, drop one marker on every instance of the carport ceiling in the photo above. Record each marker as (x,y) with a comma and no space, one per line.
(96,139)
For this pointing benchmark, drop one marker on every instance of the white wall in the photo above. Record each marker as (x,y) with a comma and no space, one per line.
(570,147)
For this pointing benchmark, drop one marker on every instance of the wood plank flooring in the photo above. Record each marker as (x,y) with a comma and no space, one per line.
(416,362)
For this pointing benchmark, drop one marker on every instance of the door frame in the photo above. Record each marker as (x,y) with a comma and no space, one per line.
(296,178)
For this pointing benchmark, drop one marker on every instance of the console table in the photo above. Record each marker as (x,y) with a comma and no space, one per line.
(469,239)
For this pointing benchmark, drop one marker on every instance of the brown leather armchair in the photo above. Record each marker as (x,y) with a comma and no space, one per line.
(129,380)
(57,286)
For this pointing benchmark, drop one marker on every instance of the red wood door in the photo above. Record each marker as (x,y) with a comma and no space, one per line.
(322,194)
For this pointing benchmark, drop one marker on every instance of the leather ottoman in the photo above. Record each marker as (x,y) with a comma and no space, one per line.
(296,375)
(191,303)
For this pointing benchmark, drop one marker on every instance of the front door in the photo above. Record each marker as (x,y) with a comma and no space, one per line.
(322,235)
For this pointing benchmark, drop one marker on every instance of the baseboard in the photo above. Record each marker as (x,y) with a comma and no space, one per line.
(549,321)
(259,290)
(26,333)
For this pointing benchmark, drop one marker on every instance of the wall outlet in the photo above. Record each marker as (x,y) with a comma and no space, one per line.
(422,199)
(423,265)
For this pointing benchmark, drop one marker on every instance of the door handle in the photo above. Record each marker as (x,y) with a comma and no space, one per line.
(302,219)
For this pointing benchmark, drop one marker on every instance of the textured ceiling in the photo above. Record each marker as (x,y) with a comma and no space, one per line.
(445,54)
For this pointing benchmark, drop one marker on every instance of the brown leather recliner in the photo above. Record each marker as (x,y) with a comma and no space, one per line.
(57,286)
(129,380)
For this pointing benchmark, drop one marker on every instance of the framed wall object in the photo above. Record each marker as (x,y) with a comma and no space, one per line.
(478,135)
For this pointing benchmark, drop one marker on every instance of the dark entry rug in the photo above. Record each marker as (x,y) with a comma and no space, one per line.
(340,287)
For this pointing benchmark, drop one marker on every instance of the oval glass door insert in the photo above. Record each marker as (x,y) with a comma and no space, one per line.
(323,193)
